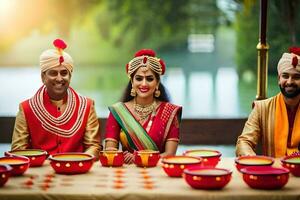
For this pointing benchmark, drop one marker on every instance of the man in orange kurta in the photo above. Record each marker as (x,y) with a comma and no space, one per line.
(276,121)
(56,118)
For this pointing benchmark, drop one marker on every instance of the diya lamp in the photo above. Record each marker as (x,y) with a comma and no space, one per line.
(146,158)
(207,177)
(71,163)
(247,161)
(36,156)
(19,164)
(5,171)
(292,163)
(265,177)
(174,165)
(210,157)
(111,158)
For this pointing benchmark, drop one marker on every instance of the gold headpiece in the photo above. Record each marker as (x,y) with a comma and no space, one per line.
(146,59)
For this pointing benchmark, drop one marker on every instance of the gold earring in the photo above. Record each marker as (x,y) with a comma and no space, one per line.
(132,92)
(157,93)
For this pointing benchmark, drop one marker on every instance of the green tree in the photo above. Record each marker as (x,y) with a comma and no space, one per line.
(282,31)
(123,25)
(158,24)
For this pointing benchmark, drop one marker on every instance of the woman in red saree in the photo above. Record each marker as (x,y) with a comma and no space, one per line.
(144,119)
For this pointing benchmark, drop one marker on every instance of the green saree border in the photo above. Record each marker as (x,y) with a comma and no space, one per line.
(130,126)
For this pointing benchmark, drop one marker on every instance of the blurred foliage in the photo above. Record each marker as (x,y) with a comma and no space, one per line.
(25,16)
(127,24)
(103,35)
(159,24)
(109,82)
(282,29)
(246,24)
(120,27)
(248,91)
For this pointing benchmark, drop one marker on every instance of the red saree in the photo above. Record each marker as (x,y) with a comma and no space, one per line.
(160,128)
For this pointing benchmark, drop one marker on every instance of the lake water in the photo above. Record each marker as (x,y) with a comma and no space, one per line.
(202,93)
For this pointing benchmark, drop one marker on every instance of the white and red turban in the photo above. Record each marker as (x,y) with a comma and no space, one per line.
(54,57)
(289,60)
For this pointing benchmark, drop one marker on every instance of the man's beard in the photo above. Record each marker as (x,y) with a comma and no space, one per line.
(290,95)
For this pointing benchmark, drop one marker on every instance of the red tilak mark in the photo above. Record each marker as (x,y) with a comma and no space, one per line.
(145,60)
(295,61)
(61,59)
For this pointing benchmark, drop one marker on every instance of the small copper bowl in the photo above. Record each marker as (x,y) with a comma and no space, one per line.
(111,158)
(292,163)
(146,158)
(5,171)
(36,156)
(19,164)
(248,161)
(174,165)
(207,177)
(265,177)
(71,163)
(210,157)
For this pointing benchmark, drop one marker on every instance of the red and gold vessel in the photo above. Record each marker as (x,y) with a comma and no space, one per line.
(146,158)
(5,171)
(174,165)
(265,177)
(111,158)
(210,157)
(248,161)
(207,177)
(36,156)
(292,163)
(71,163)
(19,164)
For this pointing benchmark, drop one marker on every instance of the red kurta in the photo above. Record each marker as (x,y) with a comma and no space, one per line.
(52,130)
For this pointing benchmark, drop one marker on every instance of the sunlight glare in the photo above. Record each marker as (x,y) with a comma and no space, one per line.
(6,7)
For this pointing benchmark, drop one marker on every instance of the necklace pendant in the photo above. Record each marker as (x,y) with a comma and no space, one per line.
(143,111)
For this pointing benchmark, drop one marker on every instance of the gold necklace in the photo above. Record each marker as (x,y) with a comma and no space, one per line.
(143,111)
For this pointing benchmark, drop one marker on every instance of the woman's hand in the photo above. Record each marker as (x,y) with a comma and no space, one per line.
(170,149)
(128,157)
(111,149)
(111,145)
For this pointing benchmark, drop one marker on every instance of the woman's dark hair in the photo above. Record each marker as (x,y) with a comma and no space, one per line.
(163,92)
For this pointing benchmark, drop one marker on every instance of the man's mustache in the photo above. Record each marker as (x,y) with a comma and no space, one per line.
(291,85)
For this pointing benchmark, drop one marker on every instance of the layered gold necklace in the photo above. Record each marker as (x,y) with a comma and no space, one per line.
(143,111)
(54,124)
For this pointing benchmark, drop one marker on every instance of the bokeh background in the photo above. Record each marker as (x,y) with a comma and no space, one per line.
(209,47)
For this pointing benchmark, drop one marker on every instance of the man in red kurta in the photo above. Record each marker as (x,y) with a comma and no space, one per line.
(56,118)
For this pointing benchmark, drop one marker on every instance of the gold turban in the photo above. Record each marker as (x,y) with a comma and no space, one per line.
(54,57)
(288,61)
